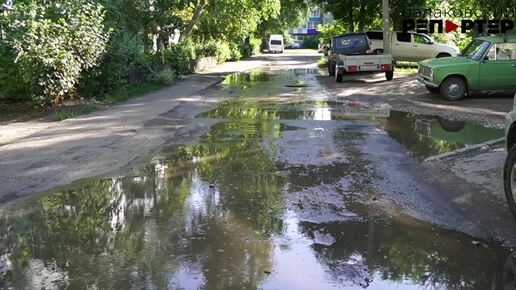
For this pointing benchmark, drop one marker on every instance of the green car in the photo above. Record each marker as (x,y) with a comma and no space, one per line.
(487,63)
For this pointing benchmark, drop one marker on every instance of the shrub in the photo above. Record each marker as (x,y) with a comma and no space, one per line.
(216,48)
(164,77)
(311,42)
(13,87)
(54,43)
(234,52)
(255,45)
(223,52)
(178,56)
(119,60)
(206,49)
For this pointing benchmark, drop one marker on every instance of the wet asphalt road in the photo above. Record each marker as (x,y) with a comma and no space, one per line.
(288,187)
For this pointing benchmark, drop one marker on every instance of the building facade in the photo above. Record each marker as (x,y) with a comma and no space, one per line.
(309,27)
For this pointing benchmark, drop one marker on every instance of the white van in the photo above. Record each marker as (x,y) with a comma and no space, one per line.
(276,43)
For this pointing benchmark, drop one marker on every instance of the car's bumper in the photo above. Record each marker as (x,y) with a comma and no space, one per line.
(427,82)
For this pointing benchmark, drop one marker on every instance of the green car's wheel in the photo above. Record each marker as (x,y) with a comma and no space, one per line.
(432,89)
(389,75)
(454,89)
(509,179)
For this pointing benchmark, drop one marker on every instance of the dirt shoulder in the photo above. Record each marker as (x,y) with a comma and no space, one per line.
(37,156)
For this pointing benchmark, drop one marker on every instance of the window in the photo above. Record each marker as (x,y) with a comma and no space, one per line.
(375,35)
(403,37)
(422,39)
(491,55)
(506,51)
(476,49)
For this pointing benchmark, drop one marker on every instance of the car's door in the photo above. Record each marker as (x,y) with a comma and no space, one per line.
(423,47)
(401,46)
(498,69)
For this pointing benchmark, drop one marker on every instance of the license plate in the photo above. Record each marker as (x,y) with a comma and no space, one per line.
(368,67)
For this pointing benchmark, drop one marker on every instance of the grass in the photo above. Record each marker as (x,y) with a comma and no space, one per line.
(124,94)
(67,113)
(406,67)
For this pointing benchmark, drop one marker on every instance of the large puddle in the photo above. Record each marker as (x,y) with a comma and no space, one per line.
(423,136)
(270,198)
(230,212)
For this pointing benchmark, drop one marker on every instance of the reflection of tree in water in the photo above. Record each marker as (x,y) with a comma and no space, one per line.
(138,231)
(407,251)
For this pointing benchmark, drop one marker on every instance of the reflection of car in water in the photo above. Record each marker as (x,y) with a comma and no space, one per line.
(425,136)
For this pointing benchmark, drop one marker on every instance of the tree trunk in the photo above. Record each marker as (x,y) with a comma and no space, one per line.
(197,13)
(362,15)
(351,21)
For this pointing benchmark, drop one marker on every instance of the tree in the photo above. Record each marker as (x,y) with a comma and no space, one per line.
(291,14)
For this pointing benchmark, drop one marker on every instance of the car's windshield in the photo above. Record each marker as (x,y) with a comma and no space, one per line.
(351,44)
(476,49)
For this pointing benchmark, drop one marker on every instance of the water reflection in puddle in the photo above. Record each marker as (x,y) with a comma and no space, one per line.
(233,212)
(267,199)
(423,136)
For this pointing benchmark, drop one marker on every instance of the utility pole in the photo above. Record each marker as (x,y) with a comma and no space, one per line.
(386,27)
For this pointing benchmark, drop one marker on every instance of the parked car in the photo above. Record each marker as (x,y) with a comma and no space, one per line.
(351,52)
(276,43)
(411,46)
(487,63)
(509,172)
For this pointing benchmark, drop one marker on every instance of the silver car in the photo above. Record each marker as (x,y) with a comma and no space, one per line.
(509,172)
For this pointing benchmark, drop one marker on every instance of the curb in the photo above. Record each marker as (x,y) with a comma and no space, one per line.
(463,150)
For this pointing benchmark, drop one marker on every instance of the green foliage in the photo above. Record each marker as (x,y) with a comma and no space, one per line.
(291,14)
(164,77)
(63,115)
(311,42)
(67,113)
(219,49)
(235,53)
(124,93)
(255,45)
(178,56)
(222,51)
(327,31)
(89,48)
(55,43)
(323,61)
(13,87)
